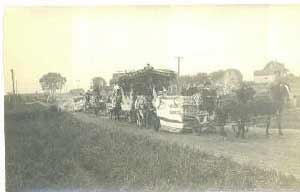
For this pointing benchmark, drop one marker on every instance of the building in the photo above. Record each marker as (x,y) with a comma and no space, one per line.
(270,72)
(98,81)
(273,71)
(228,80)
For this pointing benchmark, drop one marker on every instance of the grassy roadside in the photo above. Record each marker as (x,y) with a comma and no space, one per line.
(53,150)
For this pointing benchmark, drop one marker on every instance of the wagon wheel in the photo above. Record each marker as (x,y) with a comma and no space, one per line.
(204,125)
(234,127)
(203,122)
(197,130)
(127,116)
(210,127)
(197,127)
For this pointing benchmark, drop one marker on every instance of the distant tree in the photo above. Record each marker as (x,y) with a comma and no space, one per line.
(189,83)
(98,83)
(51,82)
(78,91)
(185,79)
(197,79)
(201,78)
(217,75)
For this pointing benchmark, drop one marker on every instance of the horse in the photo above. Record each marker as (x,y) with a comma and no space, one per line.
(273,105)
(205,101)
(234,107)
(244,104)
(116,107)
(280,95)
(247,104)
(98,105)
(145,112)
(140,107)
(241,111)
(132,111)
(87,104)
(152,120)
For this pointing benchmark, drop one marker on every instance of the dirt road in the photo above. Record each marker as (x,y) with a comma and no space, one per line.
(276,152)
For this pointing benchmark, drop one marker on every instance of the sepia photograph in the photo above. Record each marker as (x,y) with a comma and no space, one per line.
(152,98)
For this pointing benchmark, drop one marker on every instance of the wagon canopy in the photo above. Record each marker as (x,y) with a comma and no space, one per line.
(143,80)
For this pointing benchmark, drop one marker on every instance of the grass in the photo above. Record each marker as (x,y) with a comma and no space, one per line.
(274,152)
(55,150)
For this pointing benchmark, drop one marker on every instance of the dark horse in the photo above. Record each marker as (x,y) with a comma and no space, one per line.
(278,99)
(116,107)
(269,105)
(146,113)
(235,107)
(244,104)
(141,107)
(99,105)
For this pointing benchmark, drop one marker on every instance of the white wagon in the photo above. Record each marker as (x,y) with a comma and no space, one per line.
(179,113)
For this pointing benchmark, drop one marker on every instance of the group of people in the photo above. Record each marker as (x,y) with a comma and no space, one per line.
(140,109)
(94,102)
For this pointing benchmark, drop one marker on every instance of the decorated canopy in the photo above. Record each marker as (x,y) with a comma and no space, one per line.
(144,80)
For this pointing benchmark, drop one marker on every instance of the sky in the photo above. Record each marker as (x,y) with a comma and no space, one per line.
(84,42)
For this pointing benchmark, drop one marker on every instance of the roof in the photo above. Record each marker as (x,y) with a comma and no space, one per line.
(140,80)
(271,68)
(164,73)
(262,73)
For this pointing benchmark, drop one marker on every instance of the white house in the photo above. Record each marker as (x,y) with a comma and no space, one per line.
(270,72)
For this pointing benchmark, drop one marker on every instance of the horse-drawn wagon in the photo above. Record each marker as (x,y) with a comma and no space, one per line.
(137,88)
(251,107)
(150,95)
(179,113)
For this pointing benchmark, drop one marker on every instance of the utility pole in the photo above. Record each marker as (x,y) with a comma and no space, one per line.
(13,87)
(16,87)
(179,58)
(13,81)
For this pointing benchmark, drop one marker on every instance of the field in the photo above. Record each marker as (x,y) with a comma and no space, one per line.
(50,150)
